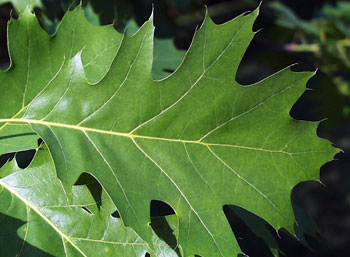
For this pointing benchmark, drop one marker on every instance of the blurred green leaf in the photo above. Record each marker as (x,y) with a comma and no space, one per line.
(21,5)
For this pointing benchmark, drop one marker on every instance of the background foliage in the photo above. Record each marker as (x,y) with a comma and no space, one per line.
(312,33)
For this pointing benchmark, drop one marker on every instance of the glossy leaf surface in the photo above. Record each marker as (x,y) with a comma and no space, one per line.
(196,140)
(36,58)
(39,218)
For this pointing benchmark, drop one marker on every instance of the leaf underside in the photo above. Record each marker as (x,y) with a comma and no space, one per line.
(196,140)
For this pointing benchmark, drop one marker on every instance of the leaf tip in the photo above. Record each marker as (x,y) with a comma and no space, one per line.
(28,9)
(206,10)
(75,64)
(207,19)
(150,19)
(77,58)
(152,13)
(254,13)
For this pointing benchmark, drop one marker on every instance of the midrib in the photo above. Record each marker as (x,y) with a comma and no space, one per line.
(132,136)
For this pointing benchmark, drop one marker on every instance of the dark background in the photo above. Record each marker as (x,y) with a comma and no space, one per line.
(327,233)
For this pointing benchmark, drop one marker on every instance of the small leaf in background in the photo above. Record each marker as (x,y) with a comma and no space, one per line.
(166,58)
(326,35)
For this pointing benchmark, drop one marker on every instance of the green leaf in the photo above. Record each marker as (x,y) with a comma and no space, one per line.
(166,58)
(96,59)
(39,215)
(196,140)
(36,58)
(288,19)
(36,197)
(21,5)
(91,16)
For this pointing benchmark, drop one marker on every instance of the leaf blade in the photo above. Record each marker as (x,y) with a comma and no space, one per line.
(187,140)
(61,219)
